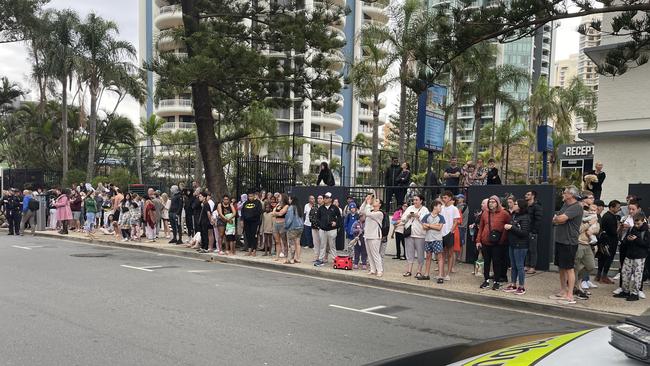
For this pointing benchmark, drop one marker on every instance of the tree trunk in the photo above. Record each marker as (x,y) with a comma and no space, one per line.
(208,143)
(477,129)
(64,126)
(402,110)
(92,133)
(138,154)
(454,129)
(494,128)
(375,141)
(505,181)
(198,164)
(530,151)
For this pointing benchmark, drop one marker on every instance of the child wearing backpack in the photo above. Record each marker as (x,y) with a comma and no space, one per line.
(360,252)
(433,223)
(637,242)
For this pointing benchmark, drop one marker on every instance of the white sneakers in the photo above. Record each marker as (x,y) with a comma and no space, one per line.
(587,285)
(617,291)
(641,295)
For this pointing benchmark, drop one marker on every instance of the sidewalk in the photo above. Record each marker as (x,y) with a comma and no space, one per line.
(601,308)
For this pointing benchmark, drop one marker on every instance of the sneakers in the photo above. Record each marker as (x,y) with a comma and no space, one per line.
(485,284)
(617,291)
(632,297)
(510,288)
(319,264)
(520,291)
(591,284)
(580,295)
(281,255)
(622,295)
(173,241)
(617,277)
(584,285)
(440,280)
(356,266)
(447,278)
(496,286)
(364,267)
(641,295)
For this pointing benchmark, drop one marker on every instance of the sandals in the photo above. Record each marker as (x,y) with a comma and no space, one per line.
(423,278)
(406,274)
(418,276)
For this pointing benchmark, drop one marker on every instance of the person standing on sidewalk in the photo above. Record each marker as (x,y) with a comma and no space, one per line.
(518,241)
(294,225)
(535,213)
(29,213)
(372,235)
(390,180)
(452,218)
(627,223)
(637,242)
(90,206)
(306,240)
(567,228)
(12,205)
(398,232)
(63,211)
(607,241)
(491,240)
(329,221)
(251,214)
(414,235)
(175,209)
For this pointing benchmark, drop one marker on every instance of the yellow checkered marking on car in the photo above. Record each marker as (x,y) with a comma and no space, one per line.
(526,353)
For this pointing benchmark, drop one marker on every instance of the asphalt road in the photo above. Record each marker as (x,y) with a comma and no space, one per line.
(59,308)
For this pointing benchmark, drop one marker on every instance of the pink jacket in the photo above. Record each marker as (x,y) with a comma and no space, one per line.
(62,205)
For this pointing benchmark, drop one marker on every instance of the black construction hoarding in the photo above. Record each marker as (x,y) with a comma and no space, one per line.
(546,197)
(642,191)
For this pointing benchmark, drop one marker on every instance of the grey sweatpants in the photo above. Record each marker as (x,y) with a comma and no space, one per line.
(326,238)
(29,216)
(413,246)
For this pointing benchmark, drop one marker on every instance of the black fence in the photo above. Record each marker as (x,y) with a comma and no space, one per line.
(29,178)
(263,174)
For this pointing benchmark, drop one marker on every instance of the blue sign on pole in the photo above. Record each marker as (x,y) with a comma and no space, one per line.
(431,118)
(544,138)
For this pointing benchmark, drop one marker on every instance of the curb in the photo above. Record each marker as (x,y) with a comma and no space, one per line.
(572,313)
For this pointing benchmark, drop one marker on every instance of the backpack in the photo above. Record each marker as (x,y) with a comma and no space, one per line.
(385,225)
(33,205)
(313,217)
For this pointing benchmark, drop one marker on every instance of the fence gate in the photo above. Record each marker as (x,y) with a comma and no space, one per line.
(30,178)
(263,174)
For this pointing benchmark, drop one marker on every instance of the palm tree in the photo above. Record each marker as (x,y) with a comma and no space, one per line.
(459,69)
(149,129)
(486,86)
(61,50)
(369,76)
(8,93)
(104,63)
(401,39)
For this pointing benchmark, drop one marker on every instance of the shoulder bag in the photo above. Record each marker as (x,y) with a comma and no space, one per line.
(495,235)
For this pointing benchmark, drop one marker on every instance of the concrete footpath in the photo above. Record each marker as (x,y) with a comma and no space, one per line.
(601,308)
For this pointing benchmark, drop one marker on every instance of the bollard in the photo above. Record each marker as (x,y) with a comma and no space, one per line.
(41,214)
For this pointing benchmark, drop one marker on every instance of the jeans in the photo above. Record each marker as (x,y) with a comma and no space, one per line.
(28,216)
(306,238)
(326,238)
(517,259)
(173,219)
(90,221)
(360,252)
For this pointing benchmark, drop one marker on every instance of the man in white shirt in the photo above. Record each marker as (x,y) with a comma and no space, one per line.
(452,219)
(307,238)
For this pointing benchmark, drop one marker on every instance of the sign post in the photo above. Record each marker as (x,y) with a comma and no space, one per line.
(431,123)
(544,145)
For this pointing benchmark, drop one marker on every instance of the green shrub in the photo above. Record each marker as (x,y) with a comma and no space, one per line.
(100,179)
(77,176)
(122,178)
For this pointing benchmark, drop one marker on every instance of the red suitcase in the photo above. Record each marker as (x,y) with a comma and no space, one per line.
(343,262)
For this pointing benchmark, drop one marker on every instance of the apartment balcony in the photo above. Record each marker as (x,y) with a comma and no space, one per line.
(162,3)
(364,169)
(363,151)
(366,116)
(337,60)
(374,22)
(324,138)
(332,121)
(168,126)
(172,107)
(370,101)
(376,11)
(546,46)
(168,44)
(170,16)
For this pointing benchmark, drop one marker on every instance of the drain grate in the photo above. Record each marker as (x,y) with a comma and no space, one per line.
(90,255)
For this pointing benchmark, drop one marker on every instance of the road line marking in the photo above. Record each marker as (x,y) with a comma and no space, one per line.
(200,270)
(374,308)
(151,267)
(363,311)
(19,247)
(141,269)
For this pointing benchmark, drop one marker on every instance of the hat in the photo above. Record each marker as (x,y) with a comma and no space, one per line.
(352,205)
(328,195)
(460,196)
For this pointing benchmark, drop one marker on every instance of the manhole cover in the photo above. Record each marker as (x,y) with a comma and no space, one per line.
(90,255)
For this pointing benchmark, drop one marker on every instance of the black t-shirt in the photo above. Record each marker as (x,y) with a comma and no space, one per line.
(452,181)
(493,176)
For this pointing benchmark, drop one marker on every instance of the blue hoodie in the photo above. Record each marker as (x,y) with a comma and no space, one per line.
(26,200)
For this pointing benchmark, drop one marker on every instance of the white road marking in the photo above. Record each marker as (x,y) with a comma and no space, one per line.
(365,311)
(151,267)
(139,268)
(27,248)
(373,308)
(200,271)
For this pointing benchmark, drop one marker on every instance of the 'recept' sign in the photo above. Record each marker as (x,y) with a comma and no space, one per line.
(431,118)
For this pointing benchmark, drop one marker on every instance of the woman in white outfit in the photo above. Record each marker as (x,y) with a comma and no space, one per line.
(372,235)
(414,243)
(52,225)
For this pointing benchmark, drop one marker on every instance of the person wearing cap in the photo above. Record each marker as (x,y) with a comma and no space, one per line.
(329,221)
(12,205)
(567,223)
(350,219)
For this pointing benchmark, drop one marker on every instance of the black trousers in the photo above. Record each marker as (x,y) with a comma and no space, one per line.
(177,229)
(604,263)
(13,220)
(205,240)
(250,234)
(399,244)
(495,256)
(189,222)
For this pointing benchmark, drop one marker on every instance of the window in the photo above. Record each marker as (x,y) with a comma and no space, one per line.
(188,119)
(283,128)
(171,119)
(297,128)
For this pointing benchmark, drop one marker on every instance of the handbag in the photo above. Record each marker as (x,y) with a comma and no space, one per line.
(407,229)
(495,236)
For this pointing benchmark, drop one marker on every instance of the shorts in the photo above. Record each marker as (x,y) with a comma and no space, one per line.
(565,255)
(294,234)
(76,215)
(448,240)
(434,247)
(231,237)
(279,228)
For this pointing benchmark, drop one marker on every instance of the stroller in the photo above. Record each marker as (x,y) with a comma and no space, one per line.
(345,261)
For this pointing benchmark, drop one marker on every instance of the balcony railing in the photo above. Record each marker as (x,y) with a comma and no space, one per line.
(375,4)
(327,136)
(319,114)
(170,9)
(175,103)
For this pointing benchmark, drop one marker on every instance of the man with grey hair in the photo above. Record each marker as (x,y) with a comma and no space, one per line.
(567,228)
(175,211)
